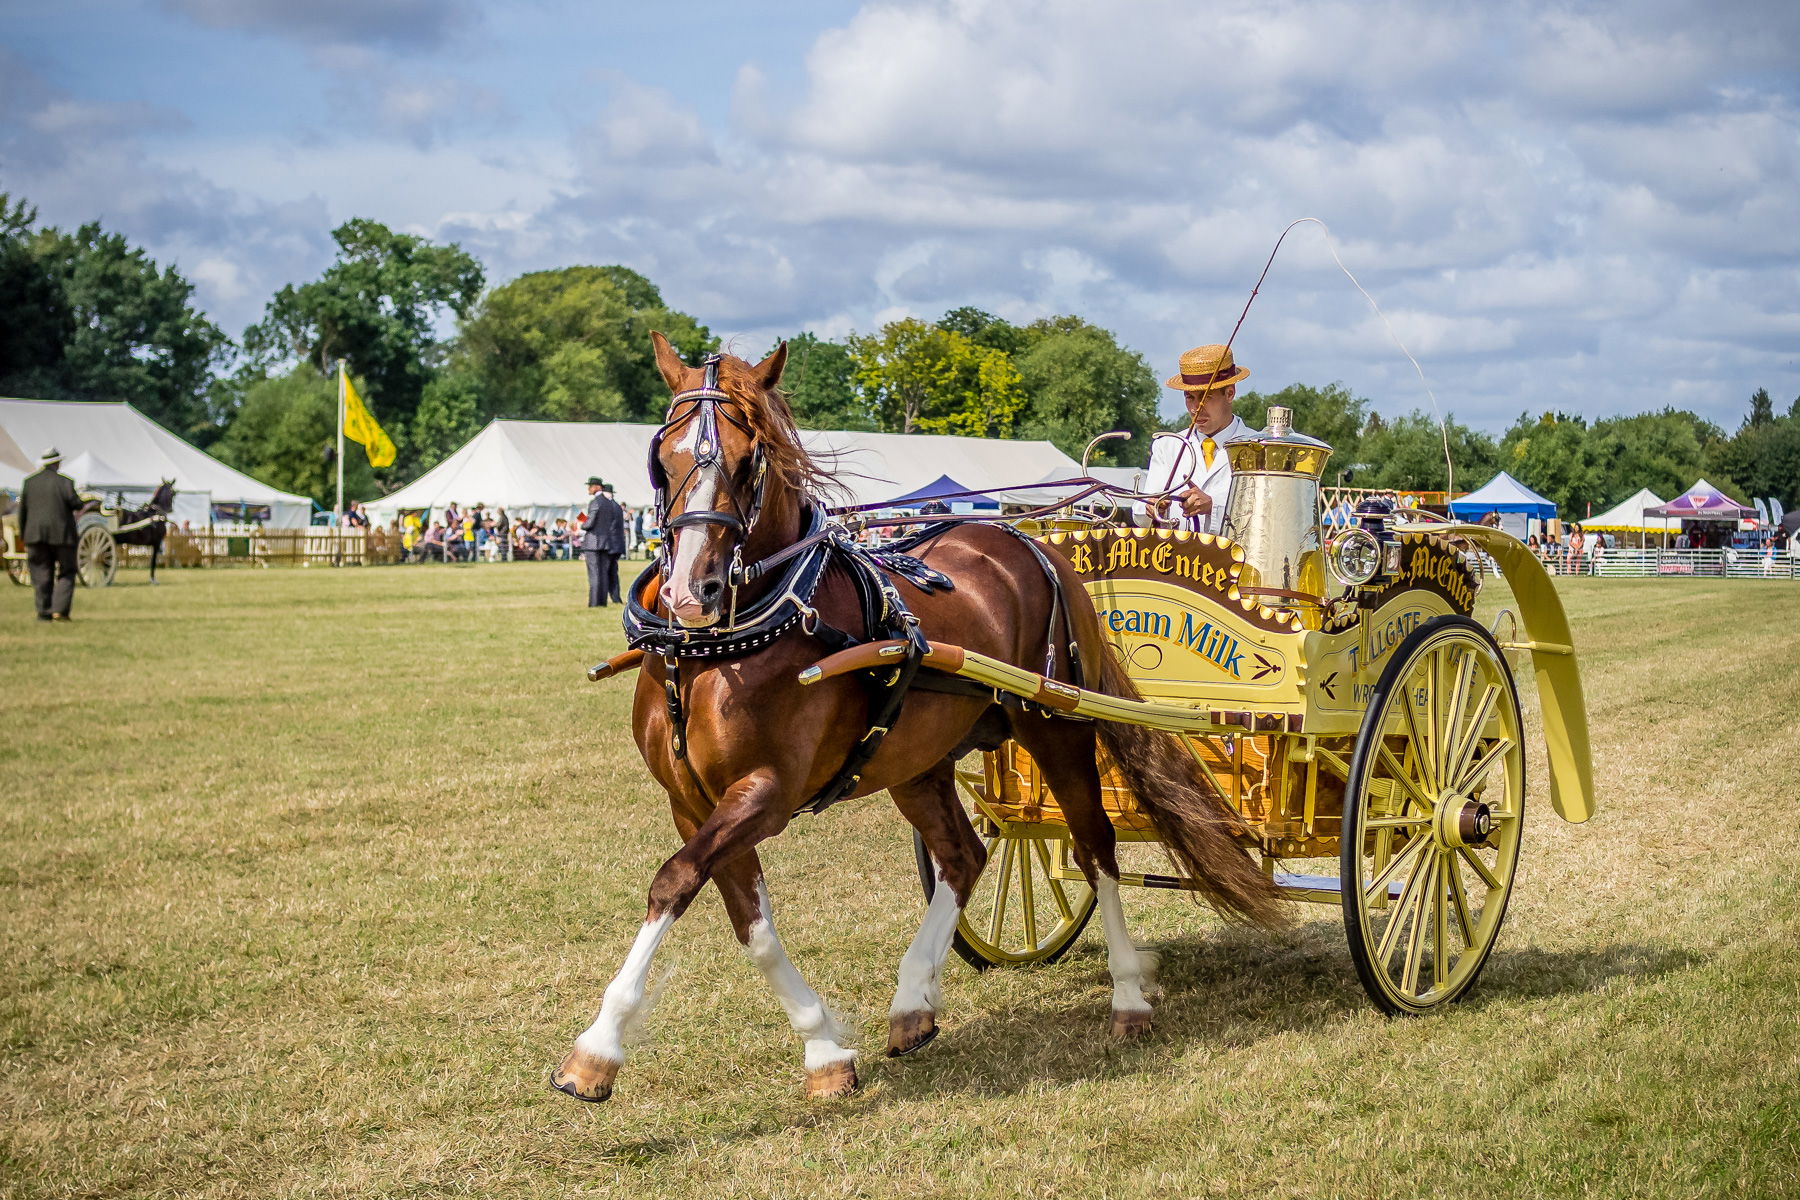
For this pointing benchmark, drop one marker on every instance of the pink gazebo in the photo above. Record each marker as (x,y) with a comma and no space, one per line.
(1702,502)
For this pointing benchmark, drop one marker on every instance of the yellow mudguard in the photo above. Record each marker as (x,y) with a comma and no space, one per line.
(1552,658)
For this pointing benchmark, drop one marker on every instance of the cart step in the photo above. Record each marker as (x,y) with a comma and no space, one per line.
(1324,886)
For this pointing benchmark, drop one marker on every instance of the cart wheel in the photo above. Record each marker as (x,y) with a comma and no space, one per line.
(96,554)
(1432,817)
(1020,912)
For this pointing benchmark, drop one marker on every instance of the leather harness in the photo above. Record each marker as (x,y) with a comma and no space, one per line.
(788,605)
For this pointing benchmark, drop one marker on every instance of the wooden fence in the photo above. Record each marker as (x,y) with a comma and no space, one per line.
(254,546)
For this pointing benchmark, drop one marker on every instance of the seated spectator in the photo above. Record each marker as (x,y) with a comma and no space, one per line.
(559,539)
(432,545)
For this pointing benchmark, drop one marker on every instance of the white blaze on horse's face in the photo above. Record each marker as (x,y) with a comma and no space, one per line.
(695,588)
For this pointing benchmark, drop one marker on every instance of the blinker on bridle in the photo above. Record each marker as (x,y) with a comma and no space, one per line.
(704,406)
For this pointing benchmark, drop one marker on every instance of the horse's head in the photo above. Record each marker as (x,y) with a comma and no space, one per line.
(727,446)
(163,501)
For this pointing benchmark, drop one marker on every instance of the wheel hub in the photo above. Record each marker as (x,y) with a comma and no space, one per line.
(1461,821)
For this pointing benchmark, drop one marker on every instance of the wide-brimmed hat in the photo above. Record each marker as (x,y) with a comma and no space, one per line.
(51,454)
(595,481)
(1206,367)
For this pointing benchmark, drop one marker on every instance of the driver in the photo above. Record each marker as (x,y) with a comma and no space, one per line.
(1197,467)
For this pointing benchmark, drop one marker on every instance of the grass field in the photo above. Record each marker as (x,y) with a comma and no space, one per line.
(308,877)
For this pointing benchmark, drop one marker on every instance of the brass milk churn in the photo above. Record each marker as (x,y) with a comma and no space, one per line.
(1273,513)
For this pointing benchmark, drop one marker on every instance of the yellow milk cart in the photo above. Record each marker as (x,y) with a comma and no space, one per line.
(1323,663)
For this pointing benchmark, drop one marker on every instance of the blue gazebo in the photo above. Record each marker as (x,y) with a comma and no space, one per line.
(1502,494)
(940,488)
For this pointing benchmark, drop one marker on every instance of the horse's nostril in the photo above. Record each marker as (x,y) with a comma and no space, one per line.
(709,591)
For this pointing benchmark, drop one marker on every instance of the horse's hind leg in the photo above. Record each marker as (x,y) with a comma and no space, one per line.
(1065,752)
(830,1065)
(929,802)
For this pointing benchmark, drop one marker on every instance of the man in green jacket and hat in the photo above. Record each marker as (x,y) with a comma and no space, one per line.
(47,508)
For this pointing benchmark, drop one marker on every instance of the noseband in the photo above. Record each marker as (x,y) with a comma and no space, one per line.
(704,406)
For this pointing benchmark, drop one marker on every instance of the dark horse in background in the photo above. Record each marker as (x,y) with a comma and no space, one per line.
(149,525)
(738,488)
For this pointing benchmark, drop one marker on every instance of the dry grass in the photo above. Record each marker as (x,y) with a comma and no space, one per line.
(308,877)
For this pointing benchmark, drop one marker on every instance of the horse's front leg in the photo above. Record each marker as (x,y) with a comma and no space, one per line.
(929,803)
(751,810)
(830,1064)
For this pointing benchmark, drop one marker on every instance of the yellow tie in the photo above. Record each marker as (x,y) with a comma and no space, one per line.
(1207,447)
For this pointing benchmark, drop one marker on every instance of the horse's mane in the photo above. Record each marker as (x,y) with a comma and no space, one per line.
(772,421)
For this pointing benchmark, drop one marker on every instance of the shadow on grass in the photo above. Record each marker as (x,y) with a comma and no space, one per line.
(1227,989)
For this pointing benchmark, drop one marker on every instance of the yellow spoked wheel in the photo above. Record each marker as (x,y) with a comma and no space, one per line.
(1432,817)
(96,554)
(1020,912)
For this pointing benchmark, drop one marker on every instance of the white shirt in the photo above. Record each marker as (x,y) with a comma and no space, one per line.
(1173,466)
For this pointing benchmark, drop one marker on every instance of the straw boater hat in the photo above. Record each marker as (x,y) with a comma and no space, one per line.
(1206,367)
(50,455)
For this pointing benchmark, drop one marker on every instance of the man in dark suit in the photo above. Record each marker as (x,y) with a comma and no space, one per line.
(47,508)
(602,542)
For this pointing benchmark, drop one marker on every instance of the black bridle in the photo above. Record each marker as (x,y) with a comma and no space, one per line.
(704,406)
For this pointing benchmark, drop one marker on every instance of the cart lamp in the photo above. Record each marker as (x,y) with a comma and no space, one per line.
(1355,556)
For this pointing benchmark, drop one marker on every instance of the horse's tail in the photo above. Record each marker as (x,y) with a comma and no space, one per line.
(1197,827)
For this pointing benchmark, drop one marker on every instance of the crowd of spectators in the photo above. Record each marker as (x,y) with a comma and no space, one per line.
(480,534)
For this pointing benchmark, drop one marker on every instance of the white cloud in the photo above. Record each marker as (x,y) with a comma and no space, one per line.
(1558,207)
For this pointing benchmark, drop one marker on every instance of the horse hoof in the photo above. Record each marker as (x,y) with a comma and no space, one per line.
(585,1077)
(910,1031)
(1129,1024)
(830,1082)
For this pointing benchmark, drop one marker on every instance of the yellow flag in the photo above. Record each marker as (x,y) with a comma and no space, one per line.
(360,427)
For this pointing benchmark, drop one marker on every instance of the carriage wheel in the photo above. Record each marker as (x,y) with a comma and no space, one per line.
(96,554)
(1020,911)
(1433,816)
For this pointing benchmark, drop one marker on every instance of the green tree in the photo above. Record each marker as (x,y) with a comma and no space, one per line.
(916,377)
(574,345)
(1552,455)
(1763,458)
(88,316)
(1665,452)
(285,434)
(985,329)
(449,415)
(820,385)
(378,306)
(1408,453)
(1080,383)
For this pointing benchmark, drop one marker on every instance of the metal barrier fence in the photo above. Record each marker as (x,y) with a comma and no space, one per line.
(1678,564)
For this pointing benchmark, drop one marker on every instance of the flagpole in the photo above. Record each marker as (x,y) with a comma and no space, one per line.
(339,510)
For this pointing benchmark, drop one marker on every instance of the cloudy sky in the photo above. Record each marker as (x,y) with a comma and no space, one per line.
(1590,207)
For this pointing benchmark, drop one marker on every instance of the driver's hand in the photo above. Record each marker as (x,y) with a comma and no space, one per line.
(1195,503)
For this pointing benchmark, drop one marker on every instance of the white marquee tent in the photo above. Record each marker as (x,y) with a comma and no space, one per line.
(113,448)
(539,469)
(1628,517)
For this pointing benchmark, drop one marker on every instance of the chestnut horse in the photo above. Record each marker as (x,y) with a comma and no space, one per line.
(740,488)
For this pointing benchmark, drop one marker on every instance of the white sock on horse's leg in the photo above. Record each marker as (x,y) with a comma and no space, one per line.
(921,966)
(1132,970)
(816,1024)
(627,1001)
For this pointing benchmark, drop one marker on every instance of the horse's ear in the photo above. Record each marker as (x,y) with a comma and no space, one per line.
(668,361)
(768,371)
